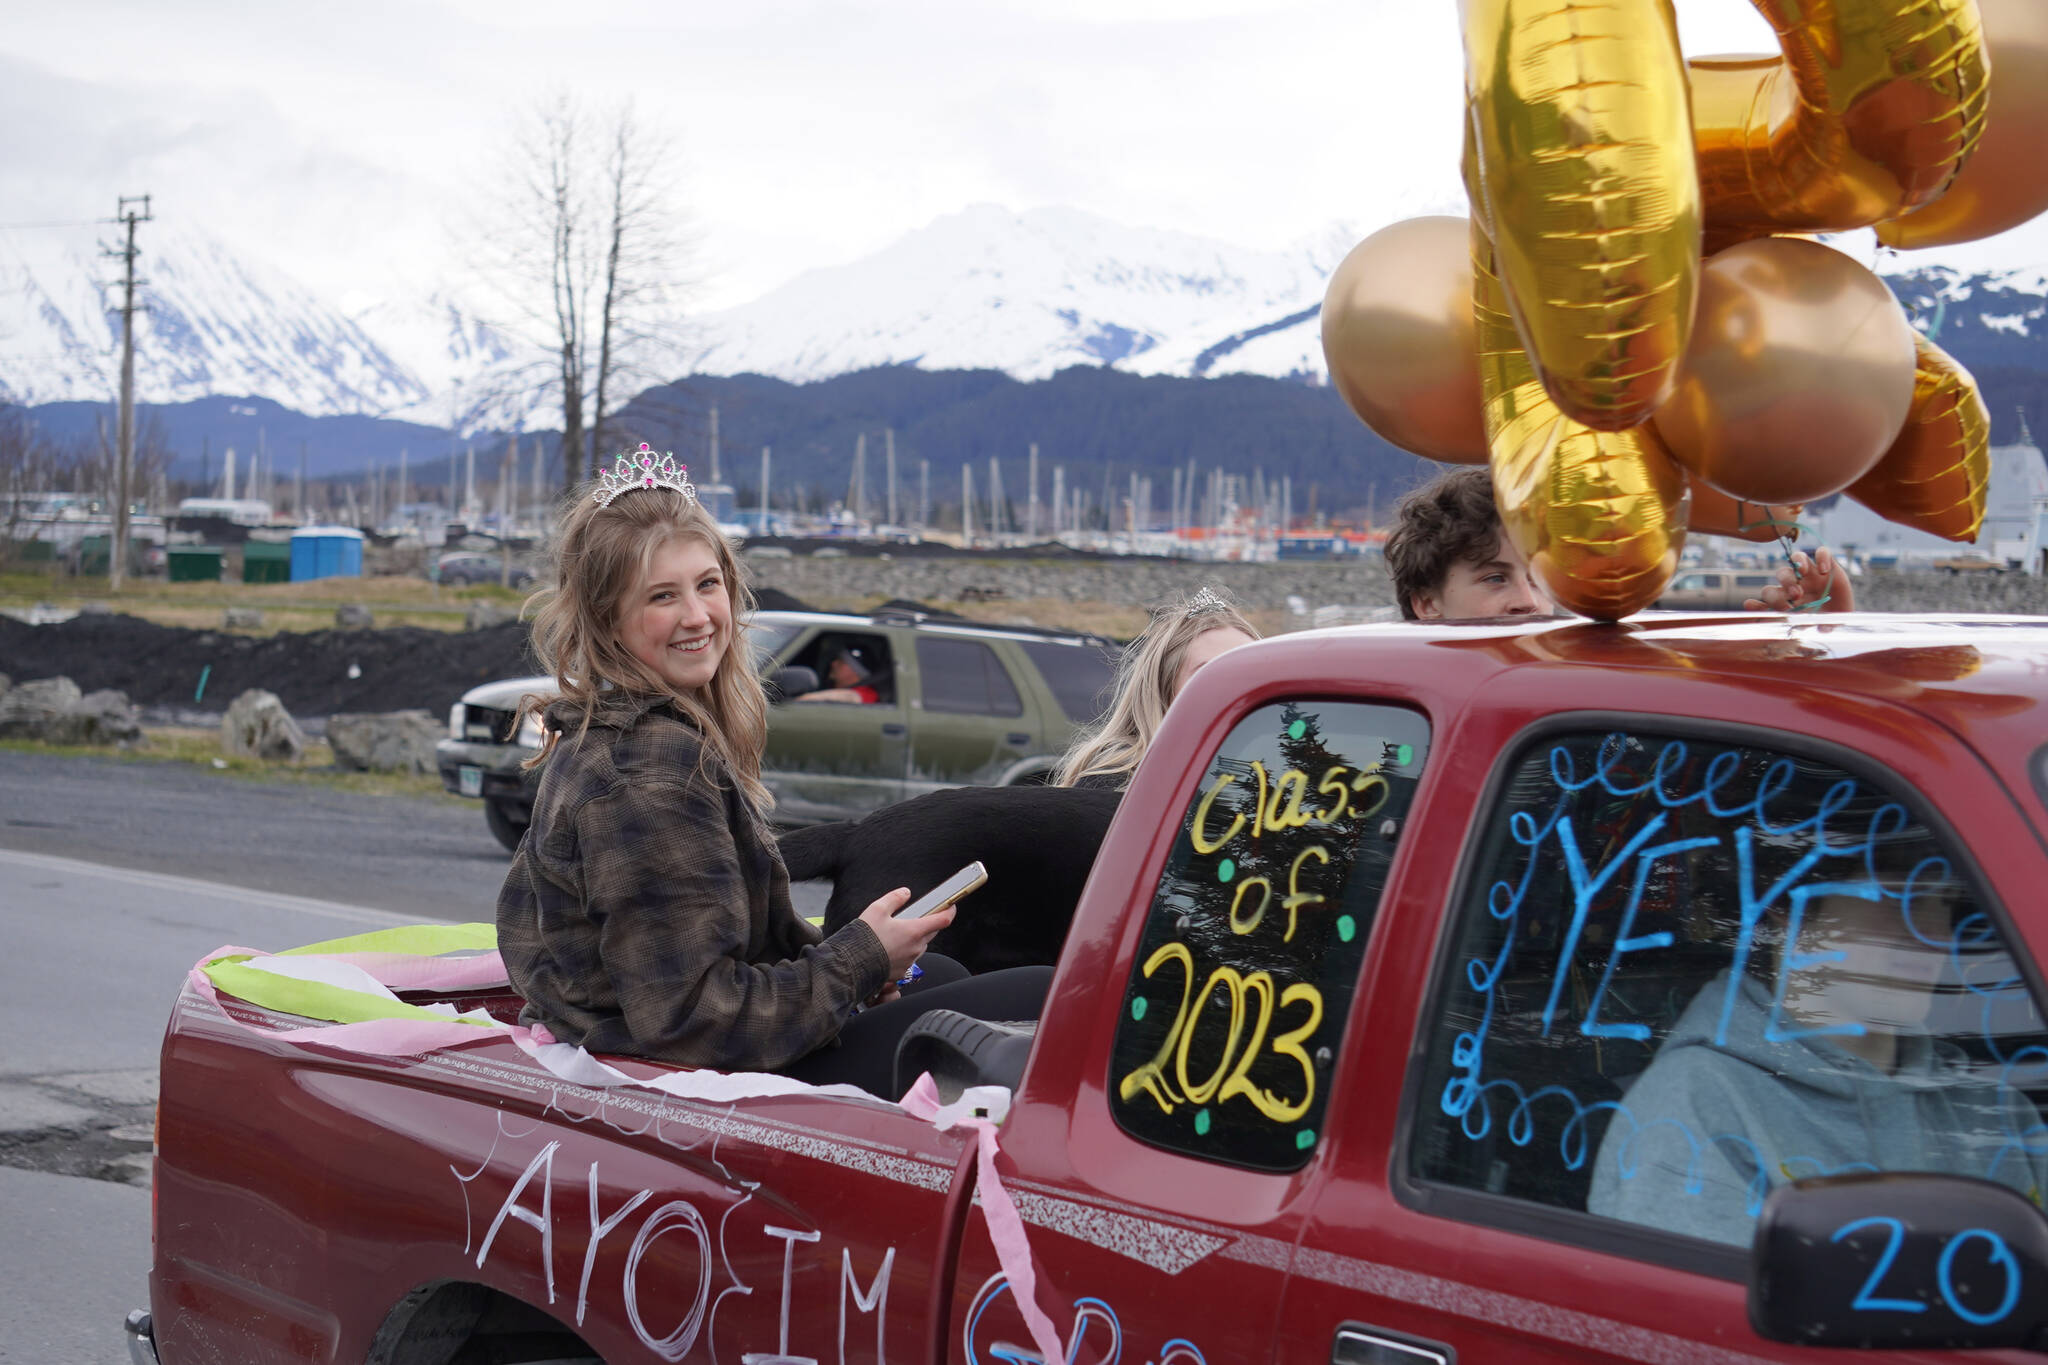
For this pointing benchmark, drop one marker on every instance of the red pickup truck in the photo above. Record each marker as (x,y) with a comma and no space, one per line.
(1549,991)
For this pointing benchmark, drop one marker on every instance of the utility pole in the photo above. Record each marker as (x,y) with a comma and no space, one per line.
(124,460)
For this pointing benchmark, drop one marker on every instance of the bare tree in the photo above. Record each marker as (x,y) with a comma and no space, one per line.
(32,464)
(588,249)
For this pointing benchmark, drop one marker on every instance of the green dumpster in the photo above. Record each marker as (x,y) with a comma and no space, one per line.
(35,551)
(93,553)
(194,563)
(267,561)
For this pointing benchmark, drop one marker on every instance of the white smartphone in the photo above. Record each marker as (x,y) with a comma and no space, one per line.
(968,878)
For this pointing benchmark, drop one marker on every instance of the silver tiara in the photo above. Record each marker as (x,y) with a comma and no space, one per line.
(643,469)
(1204,602)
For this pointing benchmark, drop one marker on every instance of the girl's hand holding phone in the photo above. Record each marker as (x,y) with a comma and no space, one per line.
(904,940)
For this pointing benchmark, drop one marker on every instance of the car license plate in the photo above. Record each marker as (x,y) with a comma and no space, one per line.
(471,780)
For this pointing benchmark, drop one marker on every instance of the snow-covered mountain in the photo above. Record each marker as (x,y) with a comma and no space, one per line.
(1028,293)
(1032,293)
(217,323)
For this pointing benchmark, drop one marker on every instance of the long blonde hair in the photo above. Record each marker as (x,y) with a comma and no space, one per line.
(1144,686)
(600,555)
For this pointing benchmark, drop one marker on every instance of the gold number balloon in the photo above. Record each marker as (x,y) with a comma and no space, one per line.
(1600,515)
(1586,185)
(1868,113)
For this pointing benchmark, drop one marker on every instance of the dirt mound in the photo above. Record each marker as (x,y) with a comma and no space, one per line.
(314,673)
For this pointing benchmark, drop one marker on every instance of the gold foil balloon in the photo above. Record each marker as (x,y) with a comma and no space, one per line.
(1714,513)
(1586,184)
(1799,375)
(2005,182)
(1600,515)
(1868,113)
(1935,475)
(1398,338)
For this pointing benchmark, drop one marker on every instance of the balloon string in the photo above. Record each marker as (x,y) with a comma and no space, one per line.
(1777,527)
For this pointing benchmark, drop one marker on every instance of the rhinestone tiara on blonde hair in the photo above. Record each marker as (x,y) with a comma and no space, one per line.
(643,469)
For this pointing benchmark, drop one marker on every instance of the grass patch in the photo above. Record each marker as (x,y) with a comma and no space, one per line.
(200,749)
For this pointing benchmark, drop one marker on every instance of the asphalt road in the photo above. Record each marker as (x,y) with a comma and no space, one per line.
(420,856)
(115,878)
(95,958)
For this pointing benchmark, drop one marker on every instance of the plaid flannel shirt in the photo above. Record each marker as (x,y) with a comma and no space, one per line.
(647,910)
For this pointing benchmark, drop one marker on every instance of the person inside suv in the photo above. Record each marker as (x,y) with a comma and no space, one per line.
(852,680)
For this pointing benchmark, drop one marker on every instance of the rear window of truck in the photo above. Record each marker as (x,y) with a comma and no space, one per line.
(1227,1038)
(1690,971)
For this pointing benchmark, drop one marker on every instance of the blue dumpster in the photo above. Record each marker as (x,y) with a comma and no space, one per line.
(326,552)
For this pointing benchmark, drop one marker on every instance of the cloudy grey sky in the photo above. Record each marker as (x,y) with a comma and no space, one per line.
(347,143)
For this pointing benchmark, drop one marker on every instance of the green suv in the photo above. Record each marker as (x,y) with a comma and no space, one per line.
(956,703)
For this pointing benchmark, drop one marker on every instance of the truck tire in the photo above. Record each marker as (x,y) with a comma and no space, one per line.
(507,821)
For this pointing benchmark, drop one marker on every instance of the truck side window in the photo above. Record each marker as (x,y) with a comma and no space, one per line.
(964,677)
(1226,1041)
(1686,972)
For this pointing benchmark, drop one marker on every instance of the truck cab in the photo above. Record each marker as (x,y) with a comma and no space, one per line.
(1404,1017)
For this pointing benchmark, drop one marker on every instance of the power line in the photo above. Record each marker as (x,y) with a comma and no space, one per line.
(57,223)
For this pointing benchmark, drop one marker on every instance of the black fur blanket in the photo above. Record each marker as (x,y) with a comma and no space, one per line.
(1037,843)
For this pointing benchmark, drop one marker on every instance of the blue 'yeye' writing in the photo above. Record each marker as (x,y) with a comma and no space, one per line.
(1638,812)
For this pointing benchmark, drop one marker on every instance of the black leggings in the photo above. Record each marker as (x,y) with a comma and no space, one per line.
(865,1054)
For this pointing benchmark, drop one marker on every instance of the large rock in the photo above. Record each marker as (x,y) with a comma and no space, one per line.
(107,717)
(353,616)
(257,726)
(484,613)
(53,711)
(241,618)
(387,742)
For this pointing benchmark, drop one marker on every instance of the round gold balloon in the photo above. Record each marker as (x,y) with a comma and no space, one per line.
(1799,375)
(2005,181)
(1600,515)
(1868,113)
(1582,139)
(1714,513)
(1935,475)
(1398,338)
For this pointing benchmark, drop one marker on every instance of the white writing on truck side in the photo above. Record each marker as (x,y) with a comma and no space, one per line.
(673,1217)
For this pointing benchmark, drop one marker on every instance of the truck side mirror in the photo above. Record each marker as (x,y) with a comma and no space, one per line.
(1927,1262)
(793,681)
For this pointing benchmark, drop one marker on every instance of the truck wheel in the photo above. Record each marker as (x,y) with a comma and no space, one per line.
(507,821)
